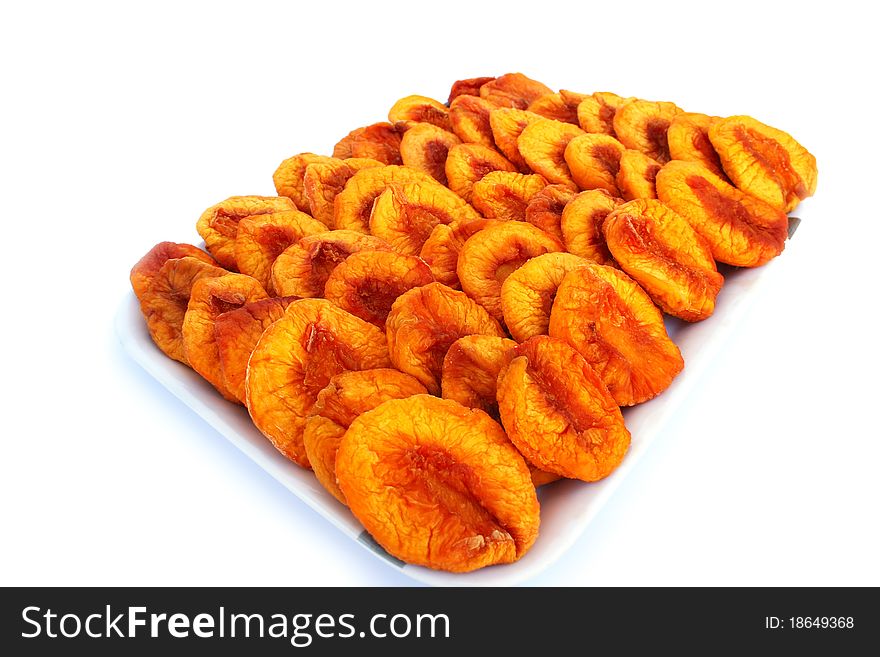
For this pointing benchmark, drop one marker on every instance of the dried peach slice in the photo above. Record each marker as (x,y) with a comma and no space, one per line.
(642,125)
(612,322)
(303,269)
(425,321)
(527,294)
(468,87)
(145,270)
(663,254)
(347,396)
(218,225)
(513,90)
(582,225)
(688,137)
(505,195)
(295,359)
(561,107)
(558,412)
(545,208)
(405,214)
(594,161)
(438,485)
(164,302)
(741,229)
(420,109)
(596,112)
(764,162)
(263,237)
(353,205)
(211,297)
(469,117)
(424,147)
(237,333)
(636,176)
(542,145)
(443,245)
(470,371)
(379,141)
(466,164)
(289,175)
(368,282)
(324,180)
(492,254)
(507,124)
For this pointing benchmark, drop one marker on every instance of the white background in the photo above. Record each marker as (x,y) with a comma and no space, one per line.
(120,125)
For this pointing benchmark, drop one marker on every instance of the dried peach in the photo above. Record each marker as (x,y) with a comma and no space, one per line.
(146,268)
(368,282)
(295,359)
(466,164)
(438,485)
(542,145)
(527,294)
(470,371)
(469,116)
(237,333)
(688,137)
(544,210)
(582,225)
(596,112)
(424,147)
(353,205)
(507,125)
(443,245)
(406,213)
(636,176)
(303,269)
(741,229)
(420,109)
(468,87)
(594,161)
(558,412)
(164,302)
(347,396)
(612,322)
(324,180)
(642,125)
(505,195)
(492,254)
(218,225)
(663,254)
(211,297)
(263,237)
(289,176)
(513,90)
(379,141)
(561,107)
(764,162)
(425,321)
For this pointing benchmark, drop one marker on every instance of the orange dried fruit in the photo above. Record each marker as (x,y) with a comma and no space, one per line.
(210,297)
(663,254)
(470,371)
(347,396)
(263,237)
(688,137)
(145,270)
(379,141)
(507,125)
(443,488)
(466,164)
(425,321)
(405,214)
(420,109)
(218,225)
(492,254)
(513,90)
(561,107)
(353,205)
(741,230)
(527,294)
(237,333)
(542,145)
(302,270)
(443,245)
(295,359)
(558,412)
(469,117)
(764,162)
(594,161)
(505,195)
(164,302)
(468,87)
(582,225)
(544,210)
(368,282)
(290,174)
(636,176)
(642,125)
(596,112)
(424,147)
(612,322)
(324,180)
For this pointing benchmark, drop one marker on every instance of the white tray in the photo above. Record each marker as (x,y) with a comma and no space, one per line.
(567,507)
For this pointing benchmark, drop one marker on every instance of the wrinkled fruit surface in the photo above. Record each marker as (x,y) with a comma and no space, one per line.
(470,371)
(642,126)
(582,221)
(145,270)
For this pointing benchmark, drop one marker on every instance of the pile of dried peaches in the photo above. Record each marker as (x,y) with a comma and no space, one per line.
(452,309)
